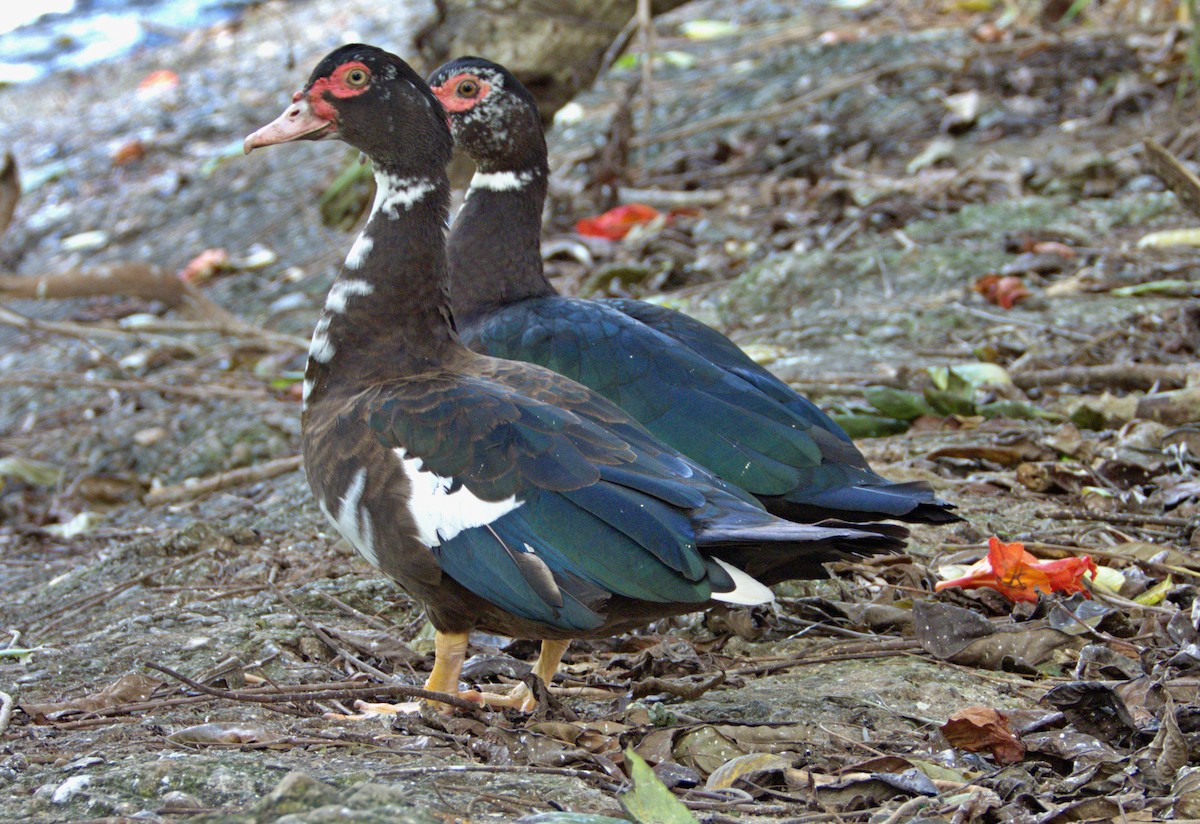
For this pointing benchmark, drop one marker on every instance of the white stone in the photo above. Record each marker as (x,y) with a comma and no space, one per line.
(440,514)
(70,788)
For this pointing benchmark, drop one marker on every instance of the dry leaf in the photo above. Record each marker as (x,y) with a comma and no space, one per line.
(128,689)
(983,729)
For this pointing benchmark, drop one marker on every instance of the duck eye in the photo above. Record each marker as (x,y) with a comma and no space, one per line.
(468,88)
(357,78)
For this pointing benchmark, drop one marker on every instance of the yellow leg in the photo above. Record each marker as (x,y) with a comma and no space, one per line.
(449,652)
(546,665)
(549,659)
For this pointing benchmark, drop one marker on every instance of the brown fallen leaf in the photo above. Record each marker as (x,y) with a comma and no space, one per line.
(1003,290)
(1179,178)
(10,191)
(221,732)
(128,689)
(983,729)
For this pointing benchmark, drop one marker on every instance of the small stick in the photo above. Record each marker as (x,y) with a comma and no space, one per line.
(1114,375)
(1118,518)
(88,600)
(827,90)
(222,480)
(347,694)
(326,640)
(1029,324)
(646,35)
(63,380)
(587,775)
(81,331)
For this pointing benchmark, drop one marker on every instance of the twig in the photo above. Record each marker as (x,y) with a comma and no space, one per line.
(827,90)
(907,811)
(132,278)
(222,480)
(85,332)
(10,191)
(646,36)
(1132,518)
(910,647)
(1029,324)
(303,695)
(1112,375)
(6,711)
(88,600)
(369,620)
(64,380)
(530,769)
(326,640)
(238,330)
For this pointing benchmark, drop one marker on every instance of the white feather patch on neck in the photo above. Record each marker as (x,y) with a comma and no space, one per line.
(343,289)
(359,251)
(500,181)
(393,192)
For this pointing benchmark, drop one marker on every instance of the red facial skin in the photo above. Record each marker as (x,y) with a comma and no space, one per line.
(338,86)
(453,100)
(311,116)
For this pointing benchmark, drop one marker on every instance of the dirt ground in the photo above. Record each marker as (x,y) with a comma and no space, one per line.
(844,179)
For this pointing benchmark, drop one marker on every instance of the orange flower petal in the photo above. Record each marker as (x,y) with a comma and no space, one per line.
(616,223)
(1019,576)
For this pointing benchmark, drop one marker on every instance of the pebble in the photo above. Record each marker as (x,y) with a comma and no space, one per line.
(85,761)
(85,241)
(70,788)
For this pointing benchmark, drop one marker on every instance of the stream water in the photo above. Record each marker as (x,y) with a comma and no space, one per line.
(48,35)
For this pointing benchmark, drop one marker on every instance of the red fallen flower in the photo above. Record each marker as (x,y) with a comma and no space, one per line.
(1003,291)
(204,265)
(616,223)
(157,81)
(1019,576)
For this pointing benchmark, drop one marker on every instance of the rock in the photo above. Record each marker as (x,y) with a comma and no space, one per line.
(70,788)
(297,792)
(554,49)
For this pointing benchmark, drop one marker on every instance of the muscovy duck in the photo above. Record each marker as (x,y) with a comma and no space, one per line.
(500,495)
(686,382)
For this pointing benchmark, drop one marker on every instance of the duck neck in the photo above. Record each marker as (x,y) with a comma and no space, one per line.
(494,248)
(388,311)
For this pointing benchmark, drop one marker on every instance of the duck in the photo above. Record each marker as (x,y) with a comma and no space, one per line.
(683,380)
(502,496)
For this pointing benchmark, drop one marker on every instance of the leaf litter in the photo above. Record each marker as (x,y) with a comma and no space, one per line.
(1065,420)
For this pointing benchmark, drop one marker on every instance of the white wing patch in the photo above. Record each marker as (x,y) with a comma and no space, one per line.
(440,513)
(393,192)
(321,348)
(359,251)
(746,590)
(343,289)
(353,520)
